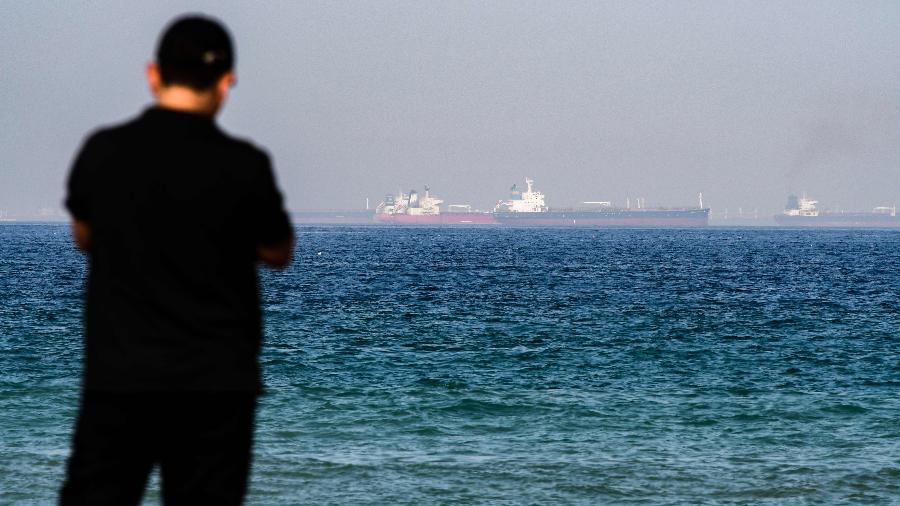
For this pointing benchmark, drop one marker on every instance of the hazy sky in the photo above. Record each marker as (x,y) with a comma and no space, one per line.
(741,100)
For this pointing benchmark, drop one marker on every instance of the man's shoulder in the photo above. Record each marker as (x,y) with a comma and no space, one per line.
(137,131)
(245,149)
(102,141)
(110,134)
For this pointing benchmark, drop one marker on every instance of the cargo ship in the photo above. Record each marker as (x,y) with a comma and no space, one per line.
(804,212)
(408,209)
(529,208)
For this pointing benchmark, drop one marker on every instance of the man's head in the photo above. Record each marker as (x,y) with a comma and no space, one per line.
(194,65)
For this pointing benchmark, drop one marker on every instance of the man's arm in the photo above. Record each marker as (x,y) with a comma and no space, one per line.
(278,255)
(81,232)
(79,186)
(273,232)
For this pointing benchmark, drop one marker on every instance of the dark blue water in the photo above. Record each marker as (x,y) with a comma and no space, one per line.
(524,366)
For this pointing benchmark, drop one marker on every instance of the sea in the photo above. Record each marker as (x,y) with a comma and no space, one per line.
(522,366)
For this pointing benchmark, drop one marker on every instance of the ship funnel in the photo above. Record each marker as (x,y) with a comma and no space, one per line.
(792,202)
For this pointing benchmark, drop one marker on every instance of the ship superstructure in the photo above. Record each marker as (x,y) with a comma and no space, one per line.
(801,206)
(410,204)
(529,201)
(409,209)
(804,212)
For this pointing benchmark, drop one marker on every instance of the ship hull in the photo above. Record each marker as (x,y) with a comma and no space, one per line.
(840,220)
(649,218)
(437,219)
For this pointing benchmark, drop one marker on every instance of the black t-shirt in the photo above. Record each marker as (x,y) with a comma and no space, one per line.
(177,209)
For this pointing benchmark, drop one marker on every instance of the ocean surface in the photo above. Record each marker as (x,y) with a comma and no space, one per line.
(420,366)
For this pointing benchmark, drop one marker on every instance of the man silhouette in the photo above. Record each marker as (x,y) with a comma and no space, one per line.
(174,215)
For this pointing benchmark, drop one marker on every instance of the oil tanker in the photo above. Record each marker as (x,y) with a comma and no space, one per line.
(528,208)
(804,212)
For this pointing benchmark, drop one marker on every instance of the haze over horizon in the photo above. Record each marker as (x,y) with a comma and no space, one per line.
(744,101)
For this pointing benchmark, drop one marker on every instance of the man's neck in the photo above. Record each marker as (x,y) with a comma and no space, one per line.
(182,98)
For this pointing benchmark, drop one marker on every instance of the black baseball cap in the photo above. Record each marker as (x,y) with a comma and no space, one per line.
(194,51)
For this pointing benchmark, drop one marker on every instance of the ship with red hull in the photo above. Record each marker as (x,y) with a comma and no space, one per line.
(528,208)
(409,209)
(804,212)
(473,218)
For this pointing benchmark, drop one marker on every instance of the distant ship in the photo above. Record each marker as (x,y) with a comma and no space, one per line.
(409,209)
(528,208)
(804,212)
